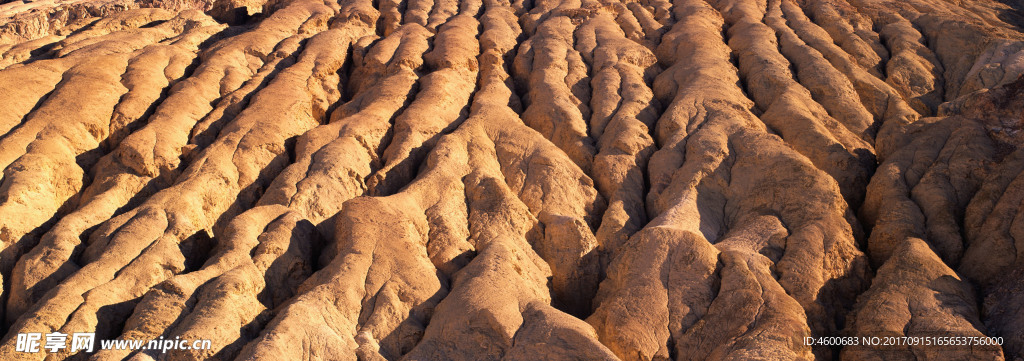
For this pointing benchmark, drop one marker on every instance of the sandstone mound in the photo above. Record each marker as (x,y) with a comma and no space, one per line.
(520,180)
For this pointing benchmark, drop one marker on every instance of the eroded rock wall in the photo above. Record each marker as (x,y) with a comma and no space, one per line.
(521,180)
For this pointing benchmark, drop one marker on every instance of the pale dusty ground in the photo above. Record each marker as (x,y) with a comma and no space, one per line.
(527,180)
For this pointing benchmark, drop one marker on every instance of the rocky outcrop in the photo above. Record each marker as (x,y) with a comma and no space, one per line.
(525,180)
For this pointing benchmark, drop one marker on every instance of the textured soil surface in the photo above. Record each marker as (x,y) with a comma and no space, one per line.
(525,180)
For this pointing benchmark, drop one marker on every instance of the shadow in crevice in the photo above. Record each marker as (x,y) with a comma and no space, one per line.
(248,196)
(112,318)
(1014,14)
(832,297)
(15,249)
(35,107)
(287,272)
(248,332)
(404,338)
(197,250)
(233,105)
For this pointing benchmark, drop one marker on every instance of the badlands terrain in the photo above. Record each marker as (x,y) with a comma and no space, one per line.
(514,180)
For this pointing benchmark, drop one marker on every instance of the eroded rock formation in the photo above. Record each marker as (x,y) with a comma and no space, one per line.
(520,180)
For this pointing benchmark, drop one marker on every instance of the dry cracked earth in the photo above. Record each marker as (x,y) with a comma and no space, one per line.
(524,180)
